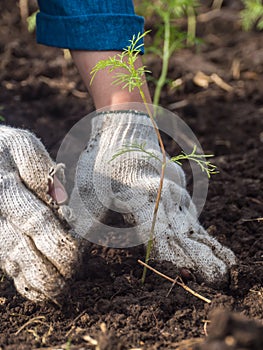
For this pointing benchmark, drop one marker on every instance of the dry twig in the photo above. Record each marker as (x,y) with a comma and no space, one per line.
(203,80)
(187,344)
(255,219)
(180,282)
(39,320)
(205,326)
(72,325)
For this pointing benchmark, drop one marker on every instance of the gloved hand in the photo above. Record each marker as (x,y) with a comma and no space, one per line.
(35,249)
(129,184)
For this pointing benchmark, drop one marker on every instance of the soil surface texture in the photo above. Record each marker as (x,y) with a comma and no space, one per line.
(107,305)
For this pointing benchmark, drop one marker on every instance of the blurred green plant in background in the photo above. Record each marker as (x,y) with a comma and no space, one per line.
(167,36)
(252,14)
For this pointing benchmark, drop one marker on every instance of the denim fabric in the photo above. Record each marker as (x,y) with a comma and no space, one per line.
(87,24)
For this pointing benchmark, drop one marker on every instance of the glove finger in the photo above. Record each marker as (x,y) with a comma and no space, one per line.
(210,258)
(35,220)
(34,276)
(207,266)
(29,156)
(179,237)
(201,237)
(184,221)
(88,200)
(187,253)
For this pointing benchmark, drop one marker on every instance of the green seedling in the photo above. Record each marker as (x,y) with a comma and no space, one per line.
(2,278)
(168,37)
(68,345)
(31,22)
(2,118)
(205,165)
(252,14)
(131,77)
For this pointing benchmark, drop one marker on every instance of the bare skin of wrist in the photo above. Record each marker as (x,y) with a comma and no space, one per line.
(103,92)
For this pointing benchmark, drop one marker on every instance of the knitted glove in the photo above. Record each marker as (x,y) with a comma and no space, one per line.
(35,249)
(129,185)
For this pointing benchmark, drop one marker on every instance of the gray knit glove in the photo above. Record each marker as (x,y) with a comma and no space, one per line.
(129,186)
(35,249)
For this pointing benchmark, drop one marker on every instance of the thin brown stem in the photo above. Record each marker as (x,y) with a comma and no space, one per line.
(175,281)
(159,193)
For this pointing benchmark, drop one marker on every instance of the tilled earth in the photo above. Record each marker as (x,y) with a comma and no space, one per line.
(42,91)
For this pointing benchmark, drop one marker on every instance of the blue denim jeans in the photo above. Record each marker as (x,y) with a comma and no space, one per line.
(87,24)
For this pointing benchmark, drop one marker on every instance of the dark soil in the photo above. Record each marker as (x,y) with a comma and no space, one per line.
(41,91)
